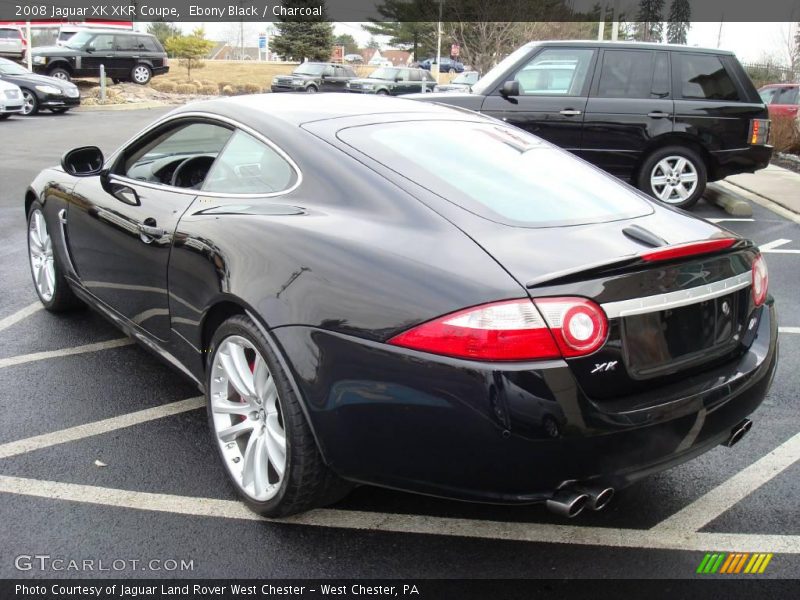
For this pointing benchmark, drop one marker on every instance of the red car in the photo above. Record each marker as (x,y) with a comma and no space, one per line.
(782,99)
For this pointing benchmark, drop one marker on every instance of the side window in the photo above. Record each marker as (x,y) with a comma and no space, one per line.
(426,76)
(102,43)
(703,77)
(328,71)
(662,79)
(146,44)
(157,159)
(414,76)
(349,72)
(555,71)
(404,75)
(787,95)
(248,166)
(767,94)
(125,43)
(626,74)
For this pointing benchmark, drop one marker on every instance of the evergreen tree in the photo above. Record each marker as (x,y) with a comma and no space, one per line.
(650,27)
(401,22)
(302,38)
(163,30)
(680,14)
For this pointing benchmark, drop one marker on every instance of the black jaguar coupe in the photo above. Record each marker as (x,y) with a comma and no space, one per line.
(381,291)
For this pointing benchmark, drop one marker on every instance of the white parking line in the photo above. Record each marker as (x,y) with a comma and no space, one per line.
(709,506)
(773,247)
(417,524)
(789,329)
(106,425)
(26,358)
(730,220)
(19,315)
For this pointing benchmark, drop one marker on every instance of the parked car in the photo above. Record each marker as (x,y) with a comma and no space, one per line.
(782,99)
(40,91)
(353,58)
(10,99)
(462,83)
(12,43)
(313,77)
(393,81)
(403,294)
(667,118)
(126,55)
(448,65)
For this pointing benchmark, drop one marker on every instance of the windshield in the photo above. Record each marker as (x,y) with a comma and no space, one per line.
(79,40)
(309,70)
(497,172)
(481,87)
(384,73)
(9,68)
(468,78)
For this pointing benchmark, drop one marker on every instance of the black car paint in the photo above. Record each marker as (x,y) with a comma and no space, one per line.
(355,254)
(616,134)
(393,88)
(118,63)
(46,100)
(334,82)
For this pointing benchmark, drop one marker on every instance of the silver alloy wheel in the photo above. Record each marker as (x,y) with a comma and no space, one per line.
(29,102)
(40,251)
(673,179)
(247,418)
(311,89)
(60,75)
(141,74)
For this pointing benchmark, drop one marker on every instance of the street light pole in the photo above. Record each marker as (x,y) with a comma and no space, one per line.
(439,43)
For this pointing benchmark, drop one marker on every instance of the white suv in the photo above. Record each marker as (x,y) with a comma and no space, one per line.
(10,99)
(12,43)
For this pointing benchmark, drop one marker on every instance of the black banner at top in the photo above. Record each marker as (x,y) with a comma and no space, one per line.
(391,10)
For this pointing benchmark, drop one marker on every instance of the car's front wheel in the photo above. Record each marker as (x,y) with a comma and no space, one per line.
(311,89)
(30,103)
(141,74)
(60,73)
(48,280)
(259,428)
(675,175)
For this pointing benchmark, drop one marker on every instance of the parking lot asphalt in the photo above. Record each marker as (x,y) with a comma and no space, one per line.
(97,460)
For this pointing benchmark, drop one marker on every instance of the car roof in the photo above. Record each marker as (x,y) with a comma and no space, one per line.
(297,109)
(629,46)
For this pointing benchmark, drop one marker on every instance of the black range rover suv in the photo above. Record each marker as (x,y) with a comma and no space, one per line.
(127,56)
(667,118)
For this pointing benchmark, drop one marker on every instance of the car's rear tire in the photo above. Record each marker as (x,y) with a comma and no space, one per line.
(451,70)
(48,279)
(60,73)
(312,89)
(259,428)
(382,93)
(141,74)
(5,116)
(30,103)
(674,175)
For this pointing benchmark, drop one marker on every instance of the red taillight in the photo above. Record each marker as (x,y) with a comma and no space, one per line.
(760,280)
(579,326)
(690,249)
(512,330)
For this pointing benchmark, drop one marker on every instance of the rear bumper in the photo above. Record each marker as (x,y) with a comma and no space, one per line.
(286,88)
(473,431)
(743,160)
(160,70)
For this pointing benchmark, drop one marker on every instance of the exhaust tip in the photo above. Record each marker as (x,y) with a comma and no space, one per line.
(738,432)
(568,504)
(601,499)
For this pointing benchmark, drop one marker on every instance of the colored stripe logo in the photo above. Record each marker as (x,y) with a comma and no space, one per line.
(734,563)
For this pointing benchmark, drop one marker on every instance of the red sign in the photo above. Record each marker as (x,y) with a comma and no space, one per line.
(338,54)
(455,50)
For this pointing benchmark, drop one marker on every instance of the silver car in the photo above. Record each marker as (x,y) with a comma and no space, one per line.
(12,43)
(10,99)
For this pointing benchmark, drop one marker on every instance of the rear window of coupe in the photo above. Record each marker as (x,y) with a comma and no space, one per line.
(499,173)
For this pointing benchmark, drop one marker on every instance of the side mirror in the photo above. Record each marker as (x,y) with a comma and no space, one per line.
(88,48)
(510,89)
(83,162)
(398,78)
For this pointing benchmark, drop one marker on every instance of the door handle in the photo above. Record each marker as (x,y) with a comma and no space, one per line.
(657,114)
(148,231)
(568,112)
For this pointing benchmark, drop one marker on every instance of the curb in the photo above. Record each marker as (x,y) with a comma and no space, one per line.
(767,203)
(732,203)
(126,106)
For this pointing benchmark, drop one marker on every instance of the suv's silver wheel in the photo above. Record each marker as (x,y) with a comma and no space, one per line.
(247,420)
(40,253)
(673,179)
(141,74)
(60,74)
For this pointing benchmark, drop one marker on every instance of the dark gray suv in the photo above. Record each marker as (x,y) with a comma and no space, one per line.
(126,55)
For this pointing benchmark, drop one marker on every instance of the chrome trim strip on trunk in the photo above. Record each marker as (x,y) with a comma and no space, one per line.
(639,306)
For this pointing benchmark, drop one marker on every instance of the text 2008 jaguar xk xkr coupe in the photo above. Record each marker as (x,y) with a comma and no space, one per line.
(380,291)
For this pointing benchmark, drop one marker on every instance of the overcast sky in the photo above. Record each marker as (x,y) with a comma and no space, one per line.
(750,41)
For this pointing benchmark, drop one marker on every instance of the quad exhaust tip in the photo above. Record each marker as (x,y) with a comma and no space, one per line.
(599,497)
(568,503)
(738,432)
